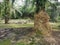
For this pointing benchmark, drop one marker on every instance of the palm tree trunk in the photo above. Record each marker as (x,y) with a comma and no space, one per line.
(7,11)
(41,23)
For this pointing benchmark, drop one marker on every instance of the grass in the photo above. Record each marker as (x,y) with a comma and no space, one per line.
(20,43)
(5,42)
(15,25)
(8,42)
(12,24)
(55,25)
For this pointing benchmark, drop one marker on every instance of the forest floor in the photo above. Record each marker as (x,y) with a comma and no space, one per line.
(23,34)
(56,35)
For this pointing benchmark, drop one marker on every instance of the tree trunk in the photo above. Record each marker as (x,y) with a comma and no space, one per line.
(6,19)
(41,23)
(7,11)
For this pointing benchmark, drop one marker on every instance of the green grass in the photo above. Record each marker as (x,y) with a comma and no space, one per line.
(56,26)
(15,25)
(12,24)
(20,43)
(8,42)
(5,42)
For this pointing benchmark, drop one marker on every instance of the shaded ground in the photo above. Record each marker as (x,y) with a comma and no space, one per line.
(56,35)
(21,34)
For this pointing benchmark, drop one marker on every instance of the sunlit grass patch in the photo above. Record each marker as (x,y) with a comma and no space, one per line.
(55,25)
(15,25)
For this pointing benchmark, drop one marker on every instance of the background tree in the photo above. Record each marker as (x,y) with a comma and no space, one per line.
(1,9)
(27,9)
(52,10)
(7,11)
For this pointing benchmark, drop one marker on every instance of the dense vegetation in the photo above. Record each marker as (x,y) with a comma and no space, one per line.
(28,9)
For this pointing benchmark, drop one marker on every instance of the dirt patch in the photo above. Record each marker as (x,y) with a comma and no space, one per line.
(28,35)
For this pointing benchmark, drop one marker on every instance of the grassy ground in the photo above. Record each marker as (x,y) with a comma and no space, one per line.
(12,24)
(55,26)
(8,42)
(5,42)
(15,25)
